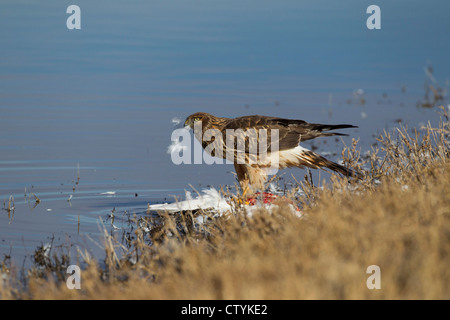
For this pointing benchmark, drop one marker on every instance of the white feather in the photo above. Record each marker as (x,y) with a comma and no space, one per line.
(213,200)
(209,199)
(280,160)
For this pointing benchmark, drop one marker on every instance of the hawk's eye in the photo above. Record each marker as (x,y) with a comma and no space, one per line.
(196,118)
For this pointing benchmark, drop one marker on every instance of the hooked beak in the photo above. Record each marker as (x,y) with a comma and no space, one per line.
(187,124)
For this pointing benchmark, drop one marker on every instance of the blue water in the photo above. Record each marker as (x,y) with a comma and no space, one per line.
(97,103)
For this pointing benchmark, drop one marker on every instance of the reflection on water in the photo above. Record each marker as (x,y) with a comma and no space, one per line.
(86,115)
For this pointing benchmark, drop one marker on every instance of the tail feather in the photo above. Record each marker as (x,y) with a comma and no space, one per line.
(313,160)
(342,170)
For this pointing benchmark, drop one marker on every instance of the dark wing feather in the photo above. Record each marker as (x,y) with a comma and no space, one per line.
(291,132)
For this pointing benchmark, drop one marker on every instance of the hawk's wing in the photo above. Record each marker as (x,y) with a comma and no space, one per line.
(290,132)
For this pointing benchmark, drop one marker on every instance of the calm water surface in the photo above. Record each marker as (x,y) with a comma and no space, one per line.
(86,115)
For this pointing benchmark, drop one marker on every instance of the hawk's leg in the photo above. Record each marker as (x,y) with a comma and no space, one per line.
(251,178)
(242,175)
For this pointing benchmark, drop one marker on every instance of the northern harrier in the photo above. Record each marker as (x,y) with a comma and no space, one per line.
(283,149)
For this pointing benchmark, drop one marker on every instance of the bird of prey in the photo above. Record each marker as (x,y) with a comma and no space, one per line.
(277,139)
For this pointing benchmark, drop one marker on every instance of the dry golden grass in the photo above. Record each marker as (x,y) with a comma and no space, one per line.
(398,218)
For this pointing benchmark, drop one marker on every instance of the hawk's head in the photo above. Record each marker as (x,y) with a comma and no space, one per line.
(197,117)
